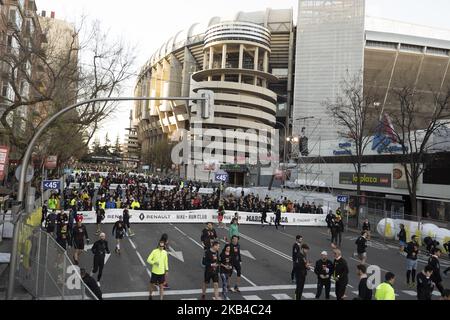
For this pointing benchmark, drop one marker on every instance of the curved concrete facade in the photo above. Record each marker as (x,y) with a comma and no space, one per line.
(231,58)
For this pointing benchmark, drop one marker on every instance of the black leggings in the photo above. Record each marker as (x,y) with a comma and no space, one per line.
(300,284)
(340,289)
(323,283)
(99,262)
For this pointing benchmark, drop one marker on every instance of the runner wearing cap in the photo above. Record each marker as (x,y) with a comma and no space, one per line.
(323,270)
(79,233)
(100,249)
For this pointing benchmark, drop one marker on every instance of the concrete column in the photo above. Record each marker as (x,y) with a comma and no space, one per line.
(205,55)
(241,56)
(255,62)
(224,56)
(266,61)
(211,57)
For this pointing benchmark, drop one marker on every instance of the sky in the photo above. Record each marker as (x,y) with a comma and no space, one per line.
(147,24)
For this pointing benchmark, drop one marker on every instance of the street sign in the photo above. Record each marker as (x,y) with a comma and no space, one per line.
(222,177)
(29,173)
(342,199)
(51,184)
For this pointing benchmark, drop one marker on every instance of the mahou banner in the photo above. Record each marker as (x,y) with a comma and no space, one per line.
(4,150)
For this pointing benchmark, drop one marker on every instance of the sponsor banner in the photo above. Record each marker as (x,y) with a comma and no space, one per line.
(51,162)
(204,216)
(399,175)
(367,179)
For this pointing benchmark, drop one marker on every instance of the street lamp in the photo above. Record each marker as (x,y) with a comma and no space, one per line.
(27,156)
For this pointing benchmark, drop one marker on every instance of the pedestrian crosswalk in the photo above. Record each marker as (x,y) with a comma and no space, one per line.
(400,295)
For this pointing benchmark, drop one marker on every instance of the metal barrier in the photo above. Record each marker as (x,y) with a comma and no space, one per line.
(43,267)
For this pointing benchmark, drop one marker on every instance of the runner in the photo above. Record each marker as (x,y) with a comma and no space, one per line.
(220,214)
(234,229)
(99,249)
(50,222)
(226,269)
(329,220)
(433,262)
(323,270)
(165,239)
(159,261)
(366,228)
(301,268)
(212,270)
(126,220)
(100,213)
(118,231)
(264,215)
(236,260)
(79,233)
(295,251)
(340,274)
(402,238)
(61,236)
(364,293)
(425,285)
(278,216)
(91,284)
(412,251)
(385,291)
(361,247)
(209,235)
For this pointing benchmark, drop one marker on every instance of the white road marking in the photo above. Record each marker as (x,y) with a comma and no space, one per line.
(287,234)
(252,298)
(176,254)
(88,247)
(140,258)
(197,243)
(199,291)
(265,246)
(409,292)
(309,295)
(247,254)
(281,296)
(333,294)
(190,299)
(436,293)
(107,256)
(366,263)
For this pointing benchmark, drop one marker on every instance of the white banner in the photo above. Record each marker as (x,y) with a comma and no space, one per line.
(204,216)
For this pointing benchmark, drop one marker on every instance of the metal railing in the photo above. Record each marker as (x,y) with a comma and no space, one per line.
(44,268)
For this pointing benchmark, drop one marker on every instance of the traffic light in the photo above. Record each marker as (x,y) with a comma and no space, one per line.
(206,106)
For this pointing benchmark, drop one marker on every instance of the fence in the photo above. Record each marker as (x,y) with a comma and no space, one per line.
(44,268)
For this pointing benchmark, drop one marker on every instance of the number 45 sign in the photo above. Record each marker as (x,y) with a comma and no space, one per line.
(223,177)
(51,184)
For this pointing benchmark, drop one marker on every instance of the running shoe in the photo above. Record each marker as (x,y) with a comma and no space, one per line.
(166,286)
(236,289)
(98,283)
(203,297)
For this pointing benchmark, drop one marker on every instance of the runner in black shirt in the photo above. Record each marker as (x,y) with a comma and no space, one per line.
(425,284)
(301,268)
(100,249)
(295,251)
(118,232)
(62,219)
(126,220)
(79,233)
(236,260)
(212,265)
(340,274)
(100,212)
(44,212)
(412,251)
(433,262)
(50,222)
(364,293)
(226,269)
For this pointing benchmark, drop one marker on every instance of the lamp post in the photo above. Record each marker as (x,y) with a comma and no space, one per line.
(284,150)
(27,156)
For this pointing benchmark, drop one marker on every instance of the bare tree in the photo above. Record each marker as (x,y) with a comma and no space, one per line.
(89,65)
(415,125)
(354,111)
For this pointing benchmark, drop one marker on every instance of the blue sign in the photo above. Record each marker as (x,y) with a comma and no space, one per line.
(51,184)
(68,171)
(222,177)
(342,199)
